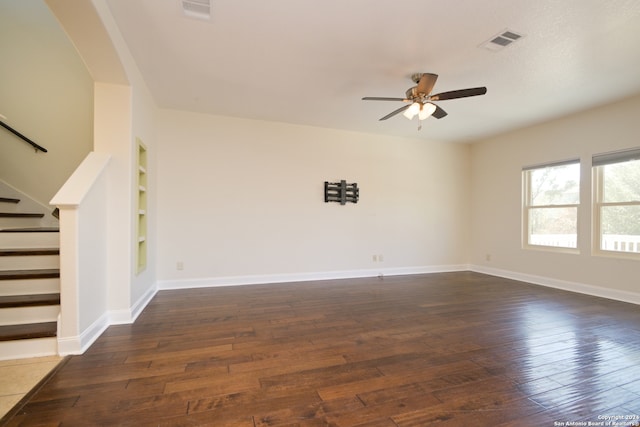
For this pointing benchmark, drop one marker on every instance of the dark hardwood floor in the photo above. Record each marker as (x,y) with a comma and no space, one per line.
(452,349)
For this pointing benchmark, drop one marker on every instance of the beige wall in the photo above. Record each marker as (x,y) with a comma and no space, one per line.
(46,93)
(123,114)
(496,201)
(124,111)
(244,198)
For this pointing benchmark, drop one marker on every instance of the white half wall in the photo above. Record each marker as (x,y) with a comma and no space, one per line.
(83,254)
(241,199)
(496,201)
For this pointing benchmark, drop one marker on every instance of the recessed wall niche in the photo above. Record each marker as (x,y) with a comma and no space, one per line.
(141,208)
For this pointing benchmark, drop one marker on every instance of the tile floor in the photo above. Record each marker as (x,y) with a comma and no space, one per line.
(17,377)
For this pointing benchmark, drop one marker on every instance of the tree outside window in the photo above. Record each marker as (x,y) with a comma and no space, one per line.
(617,202)
(552,197)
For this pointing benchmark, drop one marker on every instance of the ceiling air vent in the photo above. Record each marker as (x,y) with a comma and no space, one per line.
(501,40)
(200,9)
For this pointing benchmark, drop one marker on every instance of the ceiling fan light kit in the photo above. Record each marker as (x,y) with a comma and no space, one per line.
(421,110)
(411,112)
(420,99)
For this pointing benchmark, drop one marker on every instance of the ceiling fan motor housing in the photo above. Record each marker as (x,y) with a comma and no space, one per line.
(413,95)
(415,77)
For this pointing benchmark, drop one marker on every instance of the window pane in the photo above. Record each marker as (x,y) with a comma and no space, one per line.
(553,227)
(620,229)
(622,182)
(556,185)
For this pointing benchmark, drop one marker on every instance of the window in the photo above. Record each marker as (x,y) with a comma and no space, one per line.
(617,201)
(551,200)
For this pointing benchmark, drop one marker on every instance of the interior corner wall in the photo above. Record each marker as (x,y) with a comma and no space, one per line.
(245,198)
(144,127)
(123,113)
(127,113)
(496,202)
(112,135)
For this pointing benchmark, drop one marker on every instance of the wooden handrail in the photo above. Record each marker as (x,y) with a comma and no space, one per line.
(21,136)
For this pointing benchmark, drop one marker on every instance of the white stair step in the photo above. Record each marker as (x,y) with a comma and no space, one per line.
(33,239)
(11,207)
(29,286)
(29,262)
(20,222)
(21,349)
(22,315)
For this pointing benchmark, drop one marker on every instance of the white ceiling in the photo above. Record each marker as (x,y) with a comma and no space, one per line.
(310,62)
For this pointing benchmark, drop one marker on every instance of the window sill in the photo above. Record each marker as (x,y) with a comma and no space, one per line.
(635,256)
(553,249)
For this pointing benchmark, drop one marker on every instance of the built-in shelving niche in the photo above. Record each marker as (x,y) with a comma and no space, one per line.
(141,223)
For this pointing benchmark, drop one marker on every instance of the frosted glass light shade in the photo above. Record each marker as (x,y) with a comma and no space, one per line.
(426,110)
(410,112)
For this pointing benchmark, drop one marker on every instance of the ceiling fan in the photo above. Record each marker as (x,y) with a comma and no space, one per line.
(419,98)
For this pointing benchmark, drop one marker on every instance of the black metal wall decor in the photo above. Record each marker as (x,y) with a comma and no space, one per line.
(341,192)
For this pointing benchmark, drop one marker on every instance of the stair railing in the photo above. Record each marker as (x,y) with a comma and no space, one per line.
(21,136)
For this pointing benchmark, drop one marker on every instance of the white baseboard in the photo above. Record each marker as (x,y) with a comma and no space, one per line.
(303,277)
(143,301)
(403,271)
(581,288)
(124,317)
(80,343)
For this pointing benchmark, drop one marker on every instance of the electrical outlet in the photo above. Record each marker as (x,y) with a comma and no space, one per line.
(380,258)
(180,265)
(375,258)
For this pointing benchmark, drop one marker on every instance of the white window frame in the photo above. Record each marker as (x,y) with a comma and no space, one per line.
(526,208)
(597,163)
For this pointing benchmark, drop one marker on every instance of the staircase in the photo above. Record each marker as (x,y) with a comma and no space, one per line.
(29,283)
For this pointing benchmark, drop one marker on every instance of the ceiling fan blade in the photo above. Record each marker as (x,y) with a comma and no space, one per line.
(462,93)
(394,112)
(439,113)
(426,83)
(382,98)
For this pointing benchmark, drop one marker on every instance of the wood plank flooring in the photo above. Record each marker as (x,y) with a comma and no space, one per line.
(452,349)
